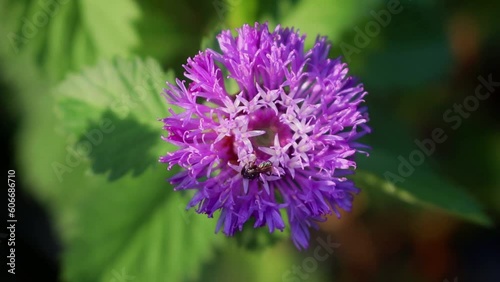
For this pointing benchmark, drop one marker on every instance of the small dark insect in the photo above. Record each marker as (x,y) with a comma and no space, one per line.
(252,171)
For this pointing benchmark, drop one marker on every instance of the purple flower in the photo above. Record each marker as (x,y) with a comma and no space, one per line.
(283,142)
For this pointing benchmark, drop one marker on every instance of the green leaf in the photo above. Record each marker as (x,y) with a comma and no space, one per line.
(424,187)
(134,152)
(61,36)
(124,88)
(269,264)
(138,226)
(112,110)
(391,168)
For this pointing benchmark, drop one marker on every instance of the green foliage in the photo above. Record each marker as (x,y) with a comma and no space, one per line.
(135,138)
(260,238)
(139,225)
(62,36)
(425,187)
(124,87)
(171,30)
(415,53)
(267,264)
(326,17)
(419,183)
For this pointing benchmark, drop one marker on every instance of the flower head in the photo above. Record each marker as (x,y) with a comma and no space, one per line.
(283,142)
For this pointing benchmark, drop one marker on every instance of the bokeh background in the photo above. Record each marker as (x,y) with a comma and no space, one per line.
(71,69)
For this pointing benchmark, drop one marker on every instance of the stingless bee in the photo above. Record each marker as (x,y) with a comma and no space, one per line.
(252,171)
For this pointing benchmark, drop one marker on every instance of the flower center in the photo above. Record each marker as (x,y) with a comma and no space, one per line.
(267,120)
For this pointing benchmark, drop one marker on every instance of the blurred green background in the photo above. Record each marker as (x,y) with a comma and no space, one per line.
(81,83)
